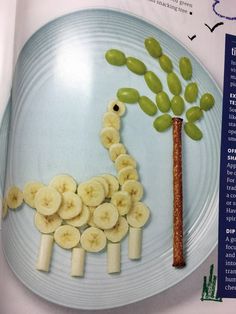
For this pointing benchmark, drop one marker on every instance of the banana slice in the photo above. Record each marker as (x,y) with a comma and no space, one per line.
(109,136)
(111,119)
(63,183)
(119,231)
(93,240)
(124,160)
(113,257)
(29,192)
(112,183)
(138,215)
(80,220)
(135,243)
(67,236)
(71,205)
(127,173)
(4,208)
(45,252)
(116,150)
(14,197)
(77,262)
(103,182)
(117,107)
(47,201)
(105,216)
(91,192)
(47,224)
(134,188)
(91,222)
(122,201)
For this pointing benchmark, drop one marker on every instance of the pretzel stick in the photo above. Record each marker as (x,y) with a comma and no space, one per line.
(178,257)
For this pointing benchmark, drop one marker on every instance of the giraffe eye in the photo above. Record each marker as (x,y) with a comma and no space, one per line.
(116,107)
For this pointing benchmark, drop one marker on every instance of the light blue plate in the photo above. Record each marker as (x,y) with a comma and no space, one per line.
(61,89)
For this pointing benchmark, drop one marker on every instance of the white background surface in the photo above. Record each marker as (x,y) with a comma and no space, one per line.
(207,46)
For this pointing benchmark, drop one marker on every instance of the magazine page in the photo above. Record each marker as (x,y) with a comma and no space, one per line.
(119,180)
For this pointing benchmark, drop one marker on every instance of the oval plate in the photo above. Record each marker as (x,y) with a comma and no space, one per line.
(61,89)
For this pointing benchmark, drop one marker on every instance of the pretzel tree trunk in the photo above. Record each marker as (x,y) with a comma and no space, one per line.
(178,255)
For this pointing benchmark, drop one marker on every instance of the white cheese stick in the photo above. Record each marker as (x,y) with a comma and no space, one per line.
(135,243)
(113,258)
(45,252)
(77,262)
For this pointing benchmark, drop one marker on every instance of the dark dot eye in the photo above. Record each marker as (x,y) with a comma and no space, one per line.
(116,107)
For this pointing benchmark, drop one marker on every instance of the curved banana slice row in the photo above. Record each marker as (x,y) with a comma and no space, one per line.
(109,136)
(63,183)
(112,183)
(104,183)
(124,160)
(47,201)
(111,119)
(14,197)
(4,208)
(93,240)
(138,215)
(67,236)
(127,173)
(134,188)
(105,216)
(71,205)
(119,231)
(80,220)
(122,201)
(117,107)
(116,150)
(47,224)
(29,192)
(91,192)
